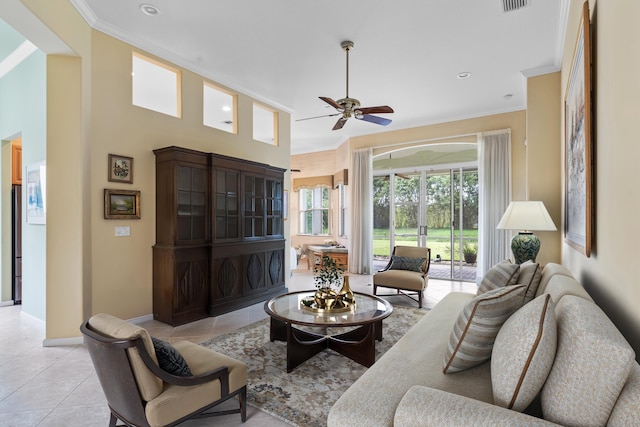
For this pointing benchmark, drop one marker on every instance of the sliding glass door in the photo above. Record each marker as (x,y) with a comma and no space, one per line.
(437,209)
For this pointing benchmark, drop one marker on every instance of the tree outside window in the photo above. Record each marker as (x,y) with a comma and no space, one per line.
(315,211)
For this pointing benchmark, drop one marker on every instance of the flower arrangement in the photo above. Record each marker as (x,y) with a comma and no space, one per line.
(327,273)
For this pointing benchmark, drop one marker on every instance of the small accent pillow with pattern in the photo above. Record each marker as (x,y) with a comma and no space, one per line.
(406,263)
(502,274)
(170,359)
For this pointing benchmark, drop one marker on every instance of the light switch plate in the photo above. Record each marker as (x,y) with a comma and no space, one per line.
(123,231)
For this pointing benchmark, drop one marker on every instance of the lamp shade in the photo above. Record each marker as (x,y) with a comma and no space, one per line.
(526,216)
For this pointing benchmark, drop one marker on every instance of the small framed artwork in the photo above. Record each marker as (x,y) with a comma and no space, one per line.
(120,169)
(36,193)
(121,204)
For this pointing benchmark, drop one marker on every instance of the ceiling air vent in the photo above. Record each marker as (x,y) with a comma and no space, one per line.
(511,5)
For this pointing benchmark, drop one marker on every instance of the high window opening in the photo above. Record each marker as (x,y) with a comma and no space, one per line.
(265,124)
(315,211)
(155,86)
(219,109)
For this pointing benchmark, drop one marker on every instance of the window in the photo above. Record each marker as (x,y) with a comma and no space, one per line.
(265,127)
(219,108)
(315,211)
(342,206)
(155,86)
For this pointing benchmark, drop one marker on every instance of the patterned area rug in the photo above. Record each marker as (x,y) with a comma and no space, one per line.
(304,396)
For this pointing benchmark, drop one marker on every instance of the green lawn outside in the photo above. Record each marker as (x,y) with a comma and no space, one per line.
(437,240)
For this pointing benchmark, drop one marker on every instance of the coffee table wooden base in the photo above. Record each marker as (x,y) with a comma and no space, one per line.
(357,344)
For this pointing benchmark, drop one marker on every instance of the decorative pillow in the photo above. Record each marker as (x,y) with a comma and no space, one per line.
(169,359)
(406,263)
(500,275)
(530,275)
(523,354)
(593,362)
(473,334)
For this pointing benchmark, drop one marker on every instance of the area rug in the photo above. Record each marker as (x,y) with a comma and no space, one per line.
(304,396)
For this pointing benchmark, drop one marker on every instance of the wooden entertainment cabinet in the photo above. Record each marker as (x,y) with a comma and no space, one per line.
(219,234)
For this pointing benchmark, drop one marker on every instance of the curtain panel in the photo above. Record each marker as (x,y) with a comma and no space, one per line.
(361,242)
(494,170)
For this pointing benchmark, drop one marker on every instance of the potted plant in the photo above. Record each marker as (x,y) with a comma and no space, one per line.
(470,252)
(327,274)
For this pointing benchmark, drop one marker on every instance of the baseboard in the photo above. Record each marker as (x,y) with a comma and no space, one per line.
(6,303)
(141,319)
(59,342)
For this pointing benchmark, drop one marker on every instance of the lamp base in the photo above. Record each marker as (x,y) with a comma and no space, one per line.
(525,246)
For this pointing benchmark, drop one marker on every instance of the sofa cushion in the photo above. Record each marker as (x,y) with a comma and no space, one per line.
(529,275)
(560,286)
(523,354)
(592,364)
(550,270)
(406,263)
(475,330)
(627,409)
(170,359)
(500,275)
(149,384)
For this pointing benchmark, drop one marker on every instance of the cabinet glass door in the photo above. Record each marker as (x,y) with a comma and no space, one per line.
(226,205)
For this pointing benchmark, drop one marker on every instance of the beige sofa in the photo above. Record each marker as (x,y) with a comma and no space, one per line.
(594,379)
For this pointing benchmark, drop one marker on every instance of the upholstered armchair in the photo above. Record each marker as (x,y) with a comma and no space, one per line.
(406,272)
(141,393)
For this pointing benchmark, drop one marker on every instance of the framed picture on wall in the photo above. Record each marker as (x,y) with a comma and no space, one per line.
(578,143)
(36,193)
(121,204)
(120,169)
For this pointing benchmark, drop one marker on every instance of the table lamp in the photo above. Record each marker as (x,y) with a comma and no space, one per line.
(526,216)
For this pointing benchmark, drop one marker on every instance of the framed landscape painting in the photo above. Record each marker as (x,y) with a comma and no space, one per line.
(578,144)
(121,204)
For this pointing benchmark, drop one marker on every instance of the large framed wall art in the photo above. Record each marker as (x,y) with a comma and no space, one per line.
(578,144)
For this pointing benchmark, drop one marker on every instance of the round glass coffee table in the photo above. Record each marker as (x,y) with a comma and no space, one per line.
(357,344)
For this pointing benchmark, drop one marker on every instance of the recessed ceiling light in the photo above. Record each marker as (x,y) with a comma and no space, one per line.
(226,108)
(464,75)
(149,9)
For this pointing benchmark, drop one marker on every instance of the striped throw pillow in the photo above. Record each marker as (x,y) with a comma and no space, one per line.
(471,340)
(500,275)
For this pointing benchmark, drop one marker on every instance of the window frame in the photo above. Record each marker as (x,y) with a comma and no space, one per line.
(303,210)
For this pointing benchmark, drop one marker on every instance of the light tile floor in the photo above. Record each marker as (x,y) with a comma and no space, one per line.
(57,386)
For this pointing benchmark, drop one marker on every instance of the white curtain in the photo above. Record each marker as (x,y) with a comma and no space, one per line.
(494,159)
(361,242)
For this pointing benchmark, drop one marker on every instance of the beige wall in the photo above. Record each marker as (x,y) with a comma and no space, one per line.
(611,273)
(544,158)
(89,270)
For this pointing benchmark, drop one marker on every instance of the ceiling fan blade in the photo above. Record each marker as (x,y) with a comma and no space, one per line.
(375,110)
(317,117)
(331,102)
(341,121)
(375,119)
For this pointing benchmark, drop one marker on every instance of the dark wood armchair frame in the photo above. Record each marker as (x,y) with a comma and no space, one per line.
(116,376)
(406,293)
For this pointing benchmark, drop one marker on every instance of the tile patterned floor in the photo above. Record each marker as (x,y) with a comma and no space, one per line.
(57,386)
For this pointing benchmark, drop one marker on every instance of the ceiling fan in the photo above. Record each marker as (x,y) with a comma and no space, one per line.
(350,107)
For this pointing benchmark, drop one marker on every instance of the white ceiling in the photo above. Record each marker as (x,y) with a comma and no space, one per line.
(407,54)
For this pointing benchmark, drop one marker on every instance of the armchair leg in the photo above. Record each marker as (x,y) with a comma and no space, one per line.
(242,397)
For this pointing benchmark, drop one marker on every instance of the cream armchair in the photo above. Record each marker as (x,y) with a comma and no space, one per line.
(142,394)
(406,272)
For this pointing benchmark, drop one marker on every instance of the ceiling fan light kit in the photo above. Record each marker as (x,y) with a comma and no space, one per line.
(350,107)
